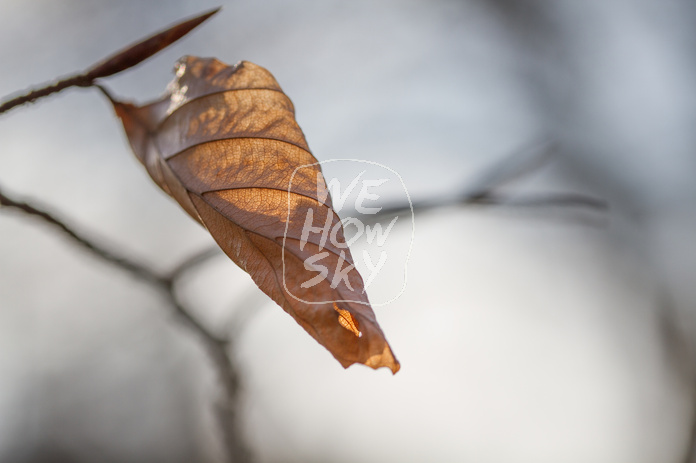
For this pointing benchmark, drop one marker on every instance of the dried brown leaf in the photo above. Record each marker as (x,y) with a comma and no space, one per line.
(224,143)
(140,51)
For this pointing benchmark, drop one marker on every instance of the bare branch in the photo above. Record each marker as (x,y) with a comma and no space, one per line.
(484,191)
(193,261)
(540,200)
(520,164)
(78,80)
(136,269)
(678,348)
(166,285)
(245,309)
(161,282)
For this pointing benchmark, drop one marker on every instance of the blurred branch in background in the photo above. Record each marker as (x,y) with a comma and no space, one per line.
(166,284)
(680,355)
(485,190)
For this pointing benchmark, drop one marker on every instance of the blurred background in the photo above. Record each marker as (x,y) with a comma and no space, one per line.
(525,334)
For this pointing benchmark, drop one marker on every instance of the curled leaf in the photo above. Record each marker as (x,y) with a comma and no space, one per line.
(224,143)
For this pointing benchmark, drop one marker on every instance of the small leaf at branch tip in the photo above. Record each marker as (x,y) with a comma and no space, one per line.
(142,50)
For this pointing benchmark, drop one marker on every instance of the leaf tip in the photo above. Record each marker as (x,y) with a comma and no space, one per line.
(140,51)
(196,21)
(211,12)
(384,359)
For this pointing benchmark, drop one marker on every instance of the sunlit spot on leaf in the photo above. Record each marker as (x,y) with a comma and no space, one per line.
(346,320)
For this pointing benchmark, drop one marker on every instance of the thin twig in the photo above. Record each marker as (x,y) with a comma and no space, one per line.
(484,193)
(518,165)
(490,199)
(540,200)
(247,307)
(164,283)
(136,269)
(193,261)
(690,453)
(78,80)
(679,352)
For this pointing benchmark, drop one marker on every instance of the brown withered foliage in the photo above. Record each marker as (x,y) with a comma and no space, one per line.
(224,143)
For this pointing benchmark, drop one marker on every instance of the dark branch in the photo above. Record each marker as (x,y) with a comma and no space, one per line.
(166,285)
(193,261)
(136,269)
(516,166)
(79,80)
(490,199)
(679,351)
(539,200)
(484,192)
